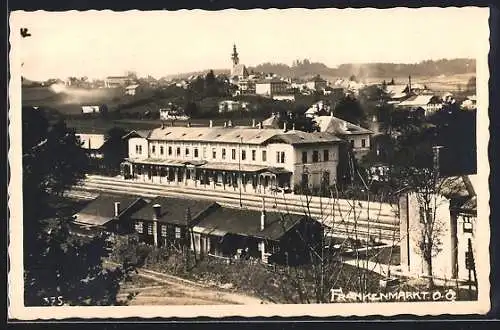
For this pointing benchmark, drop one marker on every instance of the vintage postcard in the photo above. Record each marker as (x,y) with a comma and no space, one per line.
(248,163)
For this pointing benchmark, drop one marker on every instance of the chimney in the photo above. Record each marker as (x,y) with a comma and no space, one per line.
(263,215)
(409,84)
(117,209)
(156,212)
(211,123)
(253,122)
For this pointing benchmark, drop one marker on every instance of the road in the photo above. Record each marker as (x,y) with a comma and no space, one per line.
(346,218)
(154,288)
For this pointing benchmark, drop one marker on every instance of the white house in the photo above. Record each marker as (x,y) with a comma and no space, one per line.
(131,89)
(92,143)
(117,81)
(315,108)
(284,97)
(317,84)
(253,158)
(230,106)
(470,103)
(246,86)
(271,86)
(429,103)
(90,109)
(397,92)
(454,213)
(357,136)
(172,114)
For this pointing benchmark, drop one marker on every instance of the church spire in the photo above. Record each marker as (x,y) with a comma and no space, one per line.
(234,56)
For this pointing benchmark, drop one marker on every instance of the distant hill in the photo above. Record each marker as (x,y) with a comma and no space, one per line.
(305,69)
(195,73)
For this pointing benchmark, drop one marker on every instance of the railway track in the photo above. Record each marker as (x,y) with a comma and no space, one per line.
(345,218)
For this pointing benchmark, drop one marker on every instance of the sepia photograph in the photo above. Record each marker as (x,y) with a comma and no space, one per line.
(283,162)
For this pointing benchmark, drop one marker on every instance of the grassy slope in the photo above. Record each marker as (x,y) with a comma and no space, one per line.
(70,102)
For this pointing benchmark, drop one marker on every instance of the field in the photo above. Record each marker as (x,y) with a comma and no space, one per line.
(439,84)
(68,101)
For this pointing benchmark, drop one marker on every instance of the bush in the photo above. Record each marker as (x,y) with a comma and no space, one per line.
(129,251)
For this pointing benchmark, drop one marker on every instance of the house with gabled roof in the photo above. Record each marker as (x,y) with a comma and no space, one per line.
(167,221)
(267,236)
(357,136)
(429,104)
(107,213)
(453,210)
(254,159)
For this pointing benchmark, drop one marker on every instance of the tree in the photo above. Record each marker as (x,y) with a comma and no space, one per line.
(471,85)
(53,161)
(415,170)
(425,185)
(104,111)
(350,110)
(52,157)
(210,79)
(211,85)
(114,149)
(298,121)
(191,109)
(53,277)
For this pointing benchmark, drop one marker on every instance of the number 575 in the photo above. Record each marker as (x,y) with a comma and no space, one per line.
(54,301)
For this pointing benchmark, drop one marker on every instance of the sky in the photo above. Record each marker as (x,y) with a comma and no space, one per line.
(101,43)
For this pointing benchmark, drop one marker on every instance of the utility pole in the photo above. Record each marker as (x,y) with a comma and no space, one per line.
(436,162)
(239,168)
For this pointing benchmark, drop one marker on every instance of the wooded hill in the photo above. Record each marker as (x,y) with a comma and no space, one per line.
(305,69)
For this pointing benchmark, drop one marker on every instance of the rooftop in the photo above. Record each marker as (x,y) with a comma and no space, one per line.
(102,209)
(299,137)
(225,220)
(174,210)
(117,77)
(137,133)
(238,135)
(91,140)
(239,70)
(271,81)
(336,125)
(419,100)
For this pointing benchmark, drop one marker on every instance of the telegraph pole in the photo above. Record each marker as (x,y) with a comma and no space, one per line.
(436,150)
(239,168)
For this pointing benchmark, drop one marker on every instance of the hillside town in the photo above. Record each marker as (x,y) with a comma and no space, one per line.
(244,172)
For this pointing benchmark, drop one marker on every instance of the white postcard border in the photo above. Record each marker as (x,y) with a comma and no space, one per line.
(17,310)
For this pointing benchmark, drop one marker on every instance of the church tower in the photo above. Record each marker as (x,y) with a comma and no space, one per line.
(235,57)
